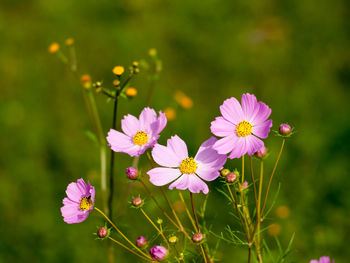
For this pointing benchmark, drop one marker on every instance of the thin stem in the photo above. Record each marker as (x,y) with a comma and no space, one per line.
(158,205)
(194,211)
(242,169)
(253,179)
(187,211)
(234,200)
(159,231)
(111,170)
(120,233)
(249,254)
(128,189)
(204,252)
(173,211)
(273,172)
(130,250)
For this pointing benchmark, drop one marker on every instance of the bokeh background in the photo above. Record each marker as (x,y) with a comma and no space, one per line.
(294,55)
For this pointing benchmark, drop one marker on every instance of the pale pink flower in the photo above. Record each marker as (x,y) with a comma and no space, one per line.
(183,171)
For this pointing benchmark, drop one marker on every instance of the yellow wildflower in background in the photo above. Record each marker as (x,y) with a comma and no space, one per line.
(283,212)
(118,70)
(69,41)
(152,52)
(183,100)
(170,113)
(85,80)
(274,229)
(131,92)
(54,47)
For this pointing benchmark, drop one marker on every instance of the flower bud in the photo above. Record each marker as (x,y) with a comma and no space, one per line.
(172,239)
(261,153)
(244,185)
(137,201)
(132,173)
(131,92)
(118,70)
(54,47)
(197,237)
(224,172)
(158,253)
(102,232)
(231,177)
(141,241)
(159,221)
(285,129)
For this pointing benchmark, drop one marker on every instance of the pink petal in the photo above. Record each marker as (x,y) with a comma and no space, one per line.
(74,192)
(178,146)
(159,124)
(78,218)
(250,106)
(130,125)
(69,209)
(221,127)
(207,172)
(190,182)
(226,144)
(232,110)
(262,130)
(253,144)
(240,148)
(165,156)
(161,176)
(261,115)
(147,117)
(208,155)
(119,142)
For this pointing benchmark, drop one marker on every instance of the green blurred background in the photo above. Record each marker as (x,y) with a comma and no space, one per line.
(294,55)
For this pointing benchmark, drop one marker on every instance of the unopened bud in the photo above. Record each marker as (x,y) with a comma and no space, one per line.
(102,232)
(172,239)
(137,201)
(224,172)
(132,173)
(231,177)
(118,70)
(141,241)
(244,185)
(261,153)
(158,253)
(159,221)
(285,129)
(198,237)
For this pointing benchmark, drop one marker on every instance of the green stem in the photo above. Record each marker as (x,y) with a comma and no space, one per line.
(272,174)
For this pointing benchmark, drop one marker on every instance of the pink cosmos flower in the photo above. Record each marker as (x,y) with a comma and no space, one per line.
(78,203)
(241,126)
(322,260)
(139,134)
(186,172)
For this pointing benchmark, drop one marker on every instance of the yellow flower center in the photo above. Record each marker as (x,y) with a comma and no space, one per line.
(140,138)
(188,166)
(244,128)
(85,203)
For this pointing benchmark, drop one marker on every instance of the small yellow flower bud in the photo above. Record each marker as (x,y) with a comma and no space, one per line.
(183,100)
(274,229)
(135,64)
(116,83)
(54,47)
(86,80)
(152,52)
(69,41)
(283,212)
(118,70)
(170,113)
(159,221)
(172,239)
(131,92)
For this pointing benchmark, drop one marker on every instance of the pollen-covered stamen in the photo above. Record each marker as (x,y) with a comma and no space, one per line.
(188,166)
(244,128)
(140,138)
(85,203)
